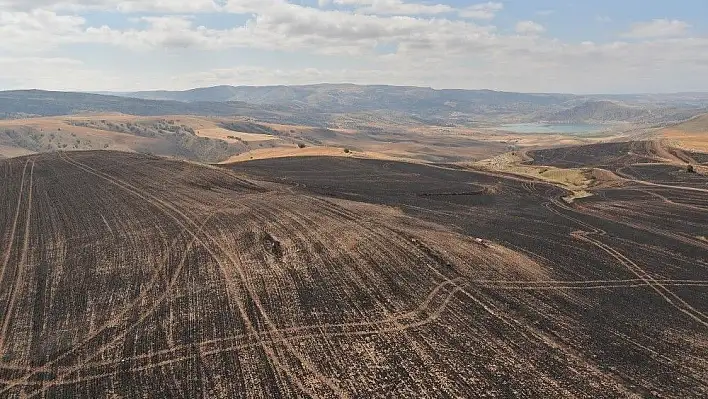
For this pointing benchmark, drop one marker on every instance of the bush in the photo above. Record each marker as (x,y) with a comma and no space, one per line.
(690,169)
(301,145)
(346,151)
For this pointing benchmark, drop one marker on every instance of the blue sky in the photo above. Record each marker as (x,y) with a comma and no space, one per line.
(576,46)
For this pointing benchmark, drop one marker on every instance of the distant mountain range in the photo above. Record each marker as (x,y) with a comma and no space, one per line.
(54,103)
(354,106)
(347,98)
(604,111)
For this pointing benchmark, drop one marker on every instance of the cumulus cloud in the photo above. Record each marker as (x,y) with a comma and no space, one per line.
(254,75)
(529,28)
(396,7)
(36,30)
(482,11)
(657,28)
(323,40)
(54,73)
(126,6)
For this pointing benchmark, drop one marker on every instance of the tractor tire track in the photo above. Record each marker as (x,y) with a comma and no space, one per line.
(664,292)
(115,321)
(19,272)
(13,229)
(431,315)
(154,200)
(631,266)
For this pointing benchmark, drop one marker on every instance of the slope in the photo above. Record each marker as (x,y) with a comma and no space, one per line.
(130,275)
(691,135)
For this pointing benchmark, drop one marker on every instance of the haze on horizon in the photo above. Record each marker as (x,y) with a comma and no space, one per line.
(525,46)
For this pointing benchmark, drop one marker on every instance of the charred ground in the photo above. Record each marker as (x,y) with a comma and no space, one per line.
(593,248)
(132,275)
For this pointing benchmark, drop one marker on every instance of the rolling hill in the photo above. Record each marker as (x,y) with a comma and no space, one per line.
(454,106)
(128,275)
(691,134)
(356,98)
(348,106)
(609,111)
(54,103)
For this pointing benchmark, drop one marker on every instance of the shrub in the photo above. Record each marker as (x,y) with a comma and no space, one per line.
(301,145)
(346,151)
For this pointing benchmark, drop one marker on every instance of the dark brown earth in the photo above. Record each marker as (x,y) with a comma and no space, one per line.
(134,276)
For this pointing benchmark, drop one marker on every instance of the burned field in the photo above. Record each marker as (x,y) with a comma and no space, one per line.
(130,275)
(611,259)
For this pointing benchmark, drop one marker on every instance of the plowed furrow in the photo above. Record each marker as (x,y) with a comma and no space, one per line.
(230,284)
(20,271)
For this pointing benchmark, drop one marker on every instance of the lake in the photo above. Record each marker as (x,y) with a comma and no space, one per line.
(559,128)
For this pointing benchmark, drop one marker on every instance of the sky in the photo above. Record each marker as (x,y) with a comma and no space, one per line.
(578,46)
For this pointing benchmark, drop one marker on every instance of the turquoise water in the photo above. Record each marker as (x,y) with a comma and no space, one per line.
(560,128)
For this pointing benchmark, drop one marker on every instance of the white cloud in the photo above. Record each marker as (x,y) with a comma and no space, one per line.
(169,49)
(252,75)
(36,30)
(658,28)
(482,11)
(396,7)
(54,74)
(126,6)
(529,28)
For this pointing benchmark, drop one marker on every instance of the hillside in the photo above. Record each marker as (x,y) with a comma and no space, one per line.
(698,124)
(608,111)
(596,111)
(445,107)
(127,275)
(52,103)
(346,106)
(355,98)
(691,135)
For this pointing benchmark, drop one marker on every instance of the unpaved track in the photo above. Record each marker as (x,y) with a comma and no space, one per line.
(161,204)
(624,264)
(21,265)
(142,277)
(11,240)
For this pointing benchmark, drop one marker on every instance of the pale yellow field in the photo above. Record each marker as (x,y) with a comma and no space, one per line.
(10,152)
(281,152)
(690,135)
(697,141)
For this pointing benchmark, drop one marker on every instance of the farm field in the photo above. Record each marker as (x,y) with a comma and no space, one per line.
(691,134)
(135,276)
(633,232)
